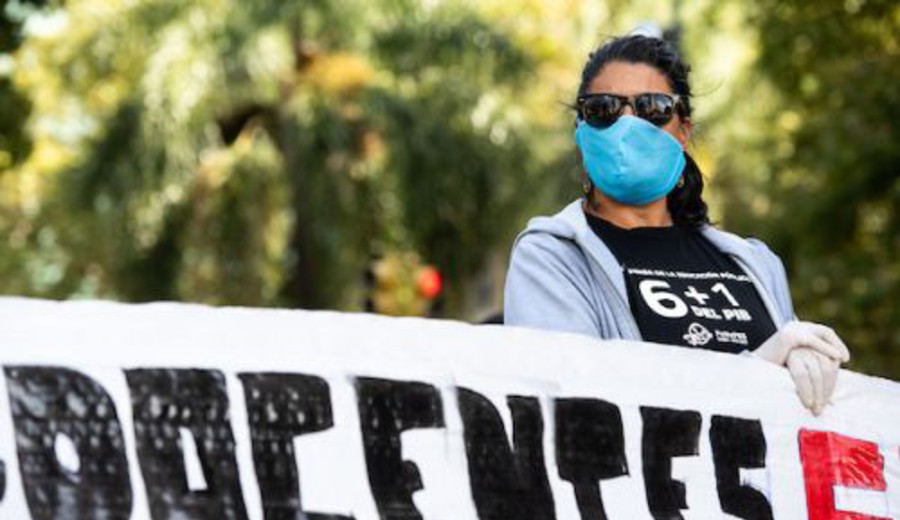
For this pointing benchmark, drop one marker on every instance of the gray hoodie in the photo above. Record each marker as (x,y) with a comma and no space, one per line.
(563,277)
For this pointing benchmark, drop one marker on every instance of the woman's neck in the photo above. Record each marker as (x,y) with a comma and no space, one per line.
(654,214)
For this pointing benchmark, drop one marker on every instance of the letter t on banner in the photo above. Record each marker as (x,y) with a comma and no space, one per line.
(831,460)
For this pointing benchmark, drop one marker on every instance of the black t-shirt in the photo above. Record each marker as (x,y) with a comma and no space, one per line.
(683,291)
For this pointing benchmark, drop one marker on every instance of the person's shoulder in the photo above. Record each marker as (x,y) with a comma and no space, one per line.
(732,242)
(564,224)
(553,236)
(762,260)
(761,248)
(751,250)
(546,247)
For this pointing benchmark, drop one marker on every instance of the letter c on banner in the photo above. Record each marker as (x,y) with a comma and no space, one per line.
(281,407)
(830,459)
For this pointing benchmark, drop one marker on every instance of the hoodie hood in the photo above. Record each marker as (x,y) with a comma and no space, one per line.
(752,255)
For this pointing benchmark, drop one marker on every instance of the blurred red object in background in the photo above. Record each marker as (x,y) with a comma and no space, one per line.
(429,282)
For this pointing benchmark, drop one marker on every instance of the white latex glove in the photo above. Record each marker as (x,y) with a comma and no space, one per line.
(797,334)
(813,353)
(815,376)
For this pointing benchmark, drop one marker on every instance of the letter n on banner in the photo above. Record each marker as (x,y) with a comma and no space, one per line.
(506,483)
(831,460)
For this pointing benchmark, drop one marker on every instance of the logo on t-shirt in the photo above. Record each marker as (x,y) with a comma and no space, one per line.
(697,335)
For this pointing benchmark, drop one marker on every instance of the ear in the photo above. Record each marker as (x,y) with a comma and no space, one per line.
(685,130)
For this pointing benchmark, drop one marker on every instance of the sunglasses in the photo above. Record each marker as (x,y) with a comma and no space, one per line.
(602,110)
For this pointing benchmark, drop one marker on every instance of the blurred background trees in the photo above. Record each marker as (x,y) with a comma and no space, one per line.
(263,154)
(275,153)
(816,168)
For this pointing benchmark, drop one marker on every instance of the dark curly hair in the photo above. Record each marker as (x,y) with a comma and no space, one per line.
(685,202)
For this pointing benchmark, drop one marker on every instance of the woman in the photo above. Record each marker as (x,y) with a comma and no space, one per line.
(636,258)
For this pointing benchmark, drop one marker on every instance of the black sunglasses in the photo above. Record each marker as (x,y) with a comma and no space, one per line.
(602,110)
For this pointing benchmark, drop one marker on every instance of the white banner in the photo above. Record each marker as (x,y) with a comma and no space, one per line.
(172,411)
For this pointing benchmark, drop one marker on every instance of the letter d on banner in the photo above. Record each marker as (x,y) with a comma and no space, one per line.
(54,407)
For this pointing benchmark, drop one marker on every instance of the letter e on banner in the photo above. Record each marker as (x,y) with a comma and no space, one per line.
(667,434)
(830,460)
(386,409)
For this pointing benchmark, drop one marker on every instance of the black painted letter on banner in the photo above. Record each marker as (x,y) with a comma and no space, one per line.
(387,408)
(57,406)
(739,443)
(281,407)
(667,434)
(590,447)
(167,402)
(506,484)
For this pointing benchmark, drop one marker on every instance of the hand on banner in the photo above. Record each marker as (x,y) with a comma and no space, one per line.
(813,353)
(802,334)
(815,376)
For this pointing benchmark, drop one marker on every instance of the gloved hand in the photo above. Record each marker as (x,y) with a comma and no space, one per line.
(813,353)
(802,334)
(815,376)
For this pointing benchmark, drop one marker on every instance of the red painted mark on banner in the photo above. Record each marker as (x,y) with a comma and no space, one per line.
(830,460)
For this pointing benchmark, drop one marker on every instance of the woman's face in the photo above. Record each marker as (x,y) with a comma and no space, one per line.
(629,79)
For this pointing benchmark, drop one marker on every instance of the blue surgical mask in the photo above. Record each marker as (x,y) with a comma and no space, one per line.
(632,161)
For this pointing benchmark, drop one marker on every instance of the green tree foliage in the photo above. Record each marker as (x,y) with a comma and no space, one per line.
(15,144)
(819,174)
(14,106)
(262,153)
